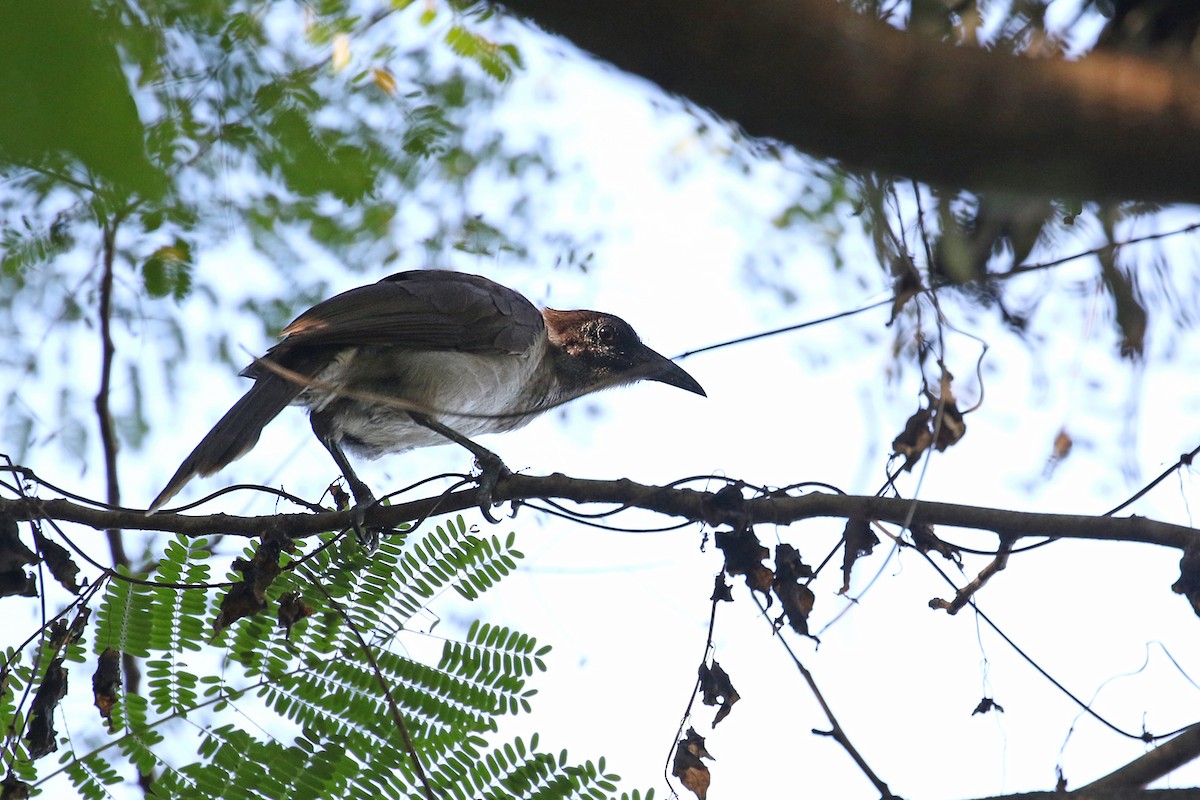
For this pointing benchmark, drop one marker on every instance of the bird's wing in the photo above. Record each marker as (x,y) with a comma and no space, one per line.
(423,310)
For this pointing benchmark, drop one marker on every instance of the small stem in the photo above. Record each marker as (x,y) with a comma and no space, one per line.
(835,732)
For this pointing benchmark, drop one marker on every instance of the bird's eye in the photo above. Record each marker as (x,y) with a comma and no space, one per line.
(606,333)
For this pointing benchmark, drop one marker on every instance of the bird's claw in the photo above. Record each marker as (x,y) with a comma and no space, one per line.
(491,470)
(368,538)
(364,499)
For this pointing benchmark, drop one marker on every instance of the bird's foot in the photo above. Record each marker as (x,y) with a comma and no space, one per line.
(491,470)
(364,500)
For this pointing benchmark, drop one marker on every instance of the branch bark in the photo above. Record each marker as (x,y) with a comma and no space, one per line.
(699,506)
(1159,762)
(836,84)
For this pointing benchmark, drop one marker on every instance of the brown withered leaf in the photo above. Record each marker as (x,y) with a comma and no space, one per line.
(1130,313)
(291,610)
(17,582)
(859,540)
(106,682)
(13,552)
(58,559)
(796,598)
(11,788)
(915,439)
(788,564)
(925,540)
(949,425)
(1188,584)
(716,688)
(906,284)
(687,766)
(1059,450)
(78,625)
(744,556)
(41,735)
(722,591)
(62,635)
(729,497)
(986,706)
(341,498)
(248,596)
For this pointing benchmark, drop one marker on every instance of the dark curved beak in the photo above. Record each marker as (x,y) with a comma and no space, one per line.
(664,370)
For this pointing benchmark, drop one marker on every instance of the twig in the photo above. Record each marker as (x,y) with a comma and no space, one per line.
(108,434)
(397,717)
(964,595)
(835,729)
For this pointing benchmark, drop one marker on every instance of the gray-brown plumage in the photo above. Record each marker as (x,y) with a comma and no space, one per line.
(423,358)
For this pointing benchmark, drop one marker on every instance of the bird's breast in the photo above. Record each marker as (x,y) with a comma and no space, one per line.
(368,392)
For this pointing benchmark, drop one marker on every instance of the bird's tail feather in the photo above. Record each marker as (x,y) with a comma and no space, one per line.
(234,435)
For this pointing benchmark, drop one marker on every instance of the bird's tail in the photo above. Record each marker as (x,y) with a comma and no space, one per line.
(235,434)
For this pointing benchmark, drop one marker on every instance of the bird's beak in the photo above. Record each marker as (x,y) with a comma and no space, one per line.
(664,370)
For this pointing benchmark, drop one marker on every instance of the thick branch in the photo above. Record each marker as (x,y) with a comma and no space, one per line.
(833,83)
(1159,762)
(1107,794)
(687,503)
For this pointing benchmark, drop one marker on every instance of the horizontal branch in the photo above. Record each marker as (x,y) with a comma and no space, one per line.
(1107,794)
(833,83)
(699,506)
(1158,763)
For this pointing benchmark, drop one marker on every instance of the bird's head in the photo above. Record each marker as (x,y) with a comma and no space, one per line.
(604,350)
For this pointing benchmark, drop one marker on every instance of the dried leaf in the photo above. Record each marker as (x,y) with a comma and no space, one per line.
(1130,313)
(249,596)
(915,439)
(729,498)
(13,789)
(106,682)
(949,425)
(687,766)
(1058,451)
(987,705)
(860,541)
(905,286)
(41,735)
(717,688)
(744,556)
(291,610)
(58,559)
(796,598)
(1188,584)
(925,540)
(722,591)
(13,552)
(385,80)
(17,582)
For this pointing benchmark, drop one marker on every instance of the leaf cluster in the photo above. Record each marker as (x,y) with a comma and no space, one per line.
(325,704)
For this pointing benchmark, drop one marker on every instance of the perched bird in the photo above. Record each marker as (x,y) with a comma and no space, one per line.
(424,358)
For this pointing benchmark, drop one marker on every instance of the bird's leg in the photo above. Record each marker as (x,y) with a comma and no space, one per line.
(491,468)
(364,498)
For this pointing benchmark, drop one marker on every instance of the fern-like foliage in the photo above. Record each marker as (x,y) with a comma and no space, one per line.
(313,696)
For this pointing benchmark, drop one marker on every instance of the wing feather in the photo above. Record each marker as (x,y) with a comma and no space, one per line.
(422,310)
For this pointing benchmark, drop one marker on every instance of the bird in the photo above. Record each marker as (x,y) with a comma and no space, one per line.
(424,358)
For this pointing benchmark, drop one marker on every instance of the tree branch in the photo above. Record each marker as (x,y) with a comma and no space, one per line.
(837,84)
(1160,761)
(1108,794)
(699,506)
